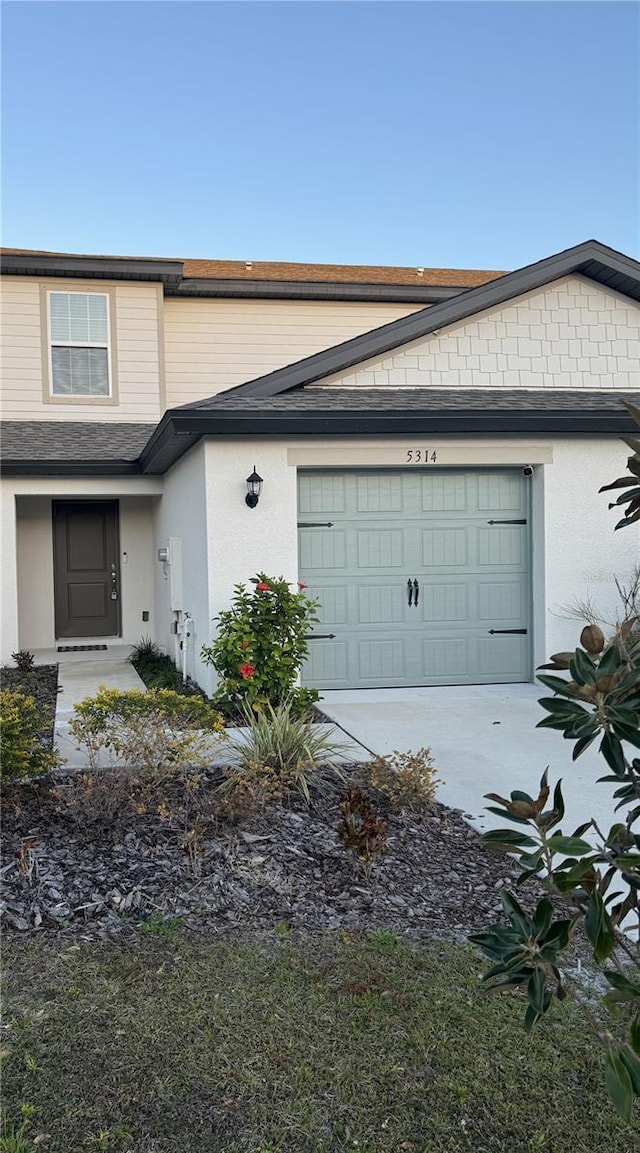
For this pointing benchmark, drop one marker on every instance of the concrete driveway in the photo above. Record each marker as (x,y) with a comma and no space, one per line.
(483,739)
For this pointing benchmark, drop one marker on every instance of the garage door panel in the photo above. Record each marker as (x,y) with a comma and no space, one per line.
(444,603)
(502,602)
(380,604)
(445,658)
(441,493)
(332,603)
(321,493)
(381,549)
(322,549)
(499,547)
(444,548)
(327,664)
(500,492)
(378,659)
(501,657)
(379,494)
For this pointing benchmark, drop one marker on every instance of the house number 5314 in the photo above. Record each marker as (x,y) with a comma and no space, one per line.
(421,456)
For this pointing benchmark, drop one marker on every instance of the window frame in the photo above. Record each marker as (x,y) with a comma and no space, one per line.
(51,397)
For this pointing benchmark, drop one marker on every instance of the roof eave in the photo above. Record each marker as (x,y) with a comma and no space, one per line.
(168,272)
(315,290)
(23,468)
(179,432)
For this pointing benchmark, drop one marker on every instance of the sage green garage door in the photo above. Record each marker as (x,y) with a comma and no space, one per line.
(422,577)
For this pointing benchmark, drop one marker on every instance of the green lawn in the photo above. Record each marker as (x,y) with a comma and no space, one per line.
(343,1043)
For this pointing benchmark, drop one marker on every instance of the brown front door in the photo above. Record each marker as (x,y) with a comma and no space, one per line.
(87,584)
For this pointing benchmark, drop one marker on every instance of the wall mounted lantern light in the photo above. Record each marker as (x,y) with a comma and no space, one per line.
(254,488)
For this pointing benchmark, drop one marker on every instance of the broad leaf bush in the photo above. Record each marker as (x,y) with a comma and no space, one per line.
(24,743)
(261,644)
(592,875)
(149,731)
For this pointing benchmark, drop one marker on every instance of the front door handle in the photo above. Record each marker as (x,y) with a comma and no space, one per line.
(410,592)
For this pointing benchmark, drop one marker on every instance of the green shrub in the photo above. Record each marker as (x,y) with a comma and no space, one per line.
(149,731)
(24,725)
(260,646)
(407,780)
(159,671)
(23,660)
(282,753)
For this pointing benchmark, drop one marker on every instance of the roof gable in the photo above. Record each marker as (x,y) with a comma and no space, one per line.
(593,260)
(553,337)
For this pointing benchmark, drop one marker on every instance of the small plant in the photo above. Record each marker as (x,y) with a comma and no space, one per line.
(24,727)
(261,644)
(27,859)
(19,1137)
(161,926)
(407,780)
(23,660)
(150,731)
(282,753)
(158,671)
(193,847)
(97,800)
(361,830)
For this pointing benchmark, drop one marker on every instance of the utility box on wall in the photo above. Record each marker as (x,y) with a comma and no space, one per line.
(170,557)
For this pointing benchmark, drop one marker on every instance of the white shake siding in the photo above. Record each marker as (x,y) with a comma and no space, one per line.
(573,334)
(212,345)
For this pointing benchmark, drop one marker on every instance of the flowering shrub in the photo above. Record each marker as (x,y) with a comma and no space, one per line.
(261,644)
(24,750)
(152,730)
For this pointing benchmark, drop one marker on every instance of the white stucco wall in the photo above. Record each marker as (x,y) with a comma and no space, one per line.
(571,334)
(181,517)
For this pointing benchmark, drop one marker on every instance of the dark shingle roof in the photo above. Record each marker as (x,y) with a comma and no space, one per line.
(76,446)
(395,399)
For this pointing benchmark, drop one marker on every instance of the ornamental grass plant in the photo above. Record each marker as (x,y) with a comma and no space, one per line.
(281,752)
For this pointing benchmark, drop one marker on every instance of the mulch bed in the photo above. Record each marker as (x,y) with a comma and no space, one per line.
(41,683)
(284,866)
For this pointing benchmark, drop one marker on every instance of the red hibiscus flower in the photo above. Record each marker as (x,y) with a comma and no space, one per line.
(301,585)
(246,671)
(263,588)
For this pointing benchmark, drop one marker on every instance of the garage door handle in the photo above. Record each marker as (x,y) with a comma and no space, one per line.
(493,631)
(506,522)
(416,593)
(410,592)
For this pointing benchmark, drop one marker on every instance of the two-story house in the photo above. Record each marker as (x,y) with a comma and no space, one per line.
(430,444)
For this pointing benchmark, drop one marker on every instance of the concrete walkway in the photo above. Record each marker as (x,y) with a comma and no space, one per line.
(483,739)
(80,679)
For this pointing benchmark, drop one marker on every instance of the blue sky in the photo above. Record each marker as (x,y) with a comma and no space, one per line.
(462,134)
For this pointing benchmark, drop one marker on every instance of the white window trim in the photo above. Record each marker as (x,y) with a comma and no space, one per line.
(79,397)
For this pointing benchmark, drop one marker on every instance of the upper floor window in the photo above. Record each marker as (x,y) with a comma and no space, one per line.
(79,344)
